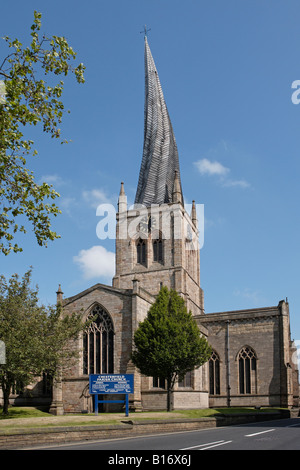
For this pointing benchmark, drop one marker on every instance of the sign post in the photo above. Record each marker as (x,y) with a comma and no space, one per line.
(104,384)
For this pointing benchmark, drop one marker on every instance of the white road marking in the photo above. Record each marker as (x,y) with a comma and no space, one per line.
(202,445)
(216,445)
(257,433)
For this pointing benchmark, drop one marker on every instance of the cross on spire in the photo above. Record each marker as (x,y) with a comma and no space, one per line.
(145,31)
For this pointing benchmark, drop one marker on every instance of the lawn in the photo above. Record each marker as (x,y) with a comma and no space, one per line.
(23,412)
(31,412)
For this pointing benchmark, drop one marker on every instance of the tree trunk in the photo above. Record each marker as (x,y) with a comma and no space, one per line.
(6,392)
(169,393)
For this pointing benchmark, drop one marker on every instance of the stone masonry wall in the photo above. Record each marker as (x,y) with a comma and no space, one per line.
(261,333)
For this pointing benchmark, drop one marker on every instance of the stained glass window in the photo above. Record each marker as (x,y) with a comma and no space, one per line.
(98,343)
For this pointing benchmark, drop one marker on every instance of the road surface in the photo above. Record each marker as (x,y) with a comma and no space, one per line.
(283,434)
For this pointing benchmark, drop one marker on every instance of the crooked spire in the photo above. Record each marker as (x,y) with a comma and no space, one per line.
(160,156)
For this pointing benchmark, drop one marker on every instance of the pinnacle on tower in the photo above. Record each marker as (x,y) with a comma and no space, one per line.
(177,195)
(160,156)
(122,201)
(194,214)
(59,294)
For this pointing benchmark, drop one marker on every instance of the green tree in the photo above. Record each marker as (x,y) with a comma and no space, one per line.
(26,99)
(36,338)
(168,343)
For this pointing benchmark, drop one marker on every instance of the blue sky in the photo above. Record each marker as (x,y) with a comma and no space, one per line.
(226,69)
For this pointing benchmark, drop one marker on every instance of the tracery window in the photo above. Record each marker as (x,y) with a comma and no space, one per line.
(214,374)
(247,370)
(47,383)
(141,251)
(186,382)
(98,343)
(158,250)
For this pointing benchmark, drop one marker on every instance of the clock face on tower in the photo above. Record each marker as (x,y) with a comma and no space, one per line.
(147,224)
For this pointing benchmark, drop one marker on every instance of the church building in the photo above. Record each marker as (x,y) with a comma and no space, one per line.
(157,243)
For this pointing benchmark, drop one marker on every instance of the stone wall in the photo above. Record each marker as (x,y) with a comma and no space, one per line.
(126,309)
(180,267)
(264,330)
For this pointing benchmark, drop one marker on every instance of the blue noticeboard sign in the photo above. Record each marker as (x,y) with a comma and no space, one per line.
(101,384)
(111,383)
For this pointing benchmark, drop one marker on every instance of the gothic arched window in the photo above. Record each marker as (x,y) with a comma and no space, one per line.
(186,382)
(98,343)
(141,251)
(247,370)
(214,374)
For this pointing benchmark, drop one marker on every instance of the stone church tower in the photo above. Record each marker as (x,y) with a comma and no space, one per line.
(157,240)
(157,243)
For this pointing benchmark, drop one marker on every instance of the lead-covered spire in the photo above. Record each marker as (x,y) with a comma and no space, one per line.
(160,156)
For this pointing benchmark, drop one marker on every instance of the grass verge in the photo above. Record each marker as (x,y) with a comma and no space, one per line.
(9,422)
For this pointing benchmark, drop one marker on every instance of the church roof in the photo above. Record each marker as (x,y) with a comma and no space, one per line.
(160,163)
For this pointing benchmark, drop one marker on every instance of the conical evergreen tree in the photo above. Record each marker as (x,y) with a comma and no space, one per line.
(168,343)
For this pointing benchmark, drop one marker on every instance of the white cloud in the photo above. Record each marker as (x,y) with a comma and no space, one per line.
(239,183)
(67,205)
(253,296)
(55,180)
(95,197)
(206,167)
(96,262)
(215,168)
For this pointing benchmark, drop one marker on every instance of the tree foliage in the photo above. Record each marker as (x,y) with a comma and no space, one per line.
(168,343)
(36,338)
(30,100)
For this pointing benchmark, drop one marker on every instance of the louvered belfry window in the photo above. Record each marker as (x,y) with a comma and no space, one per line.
(98,343)
(158,250)
(141,251)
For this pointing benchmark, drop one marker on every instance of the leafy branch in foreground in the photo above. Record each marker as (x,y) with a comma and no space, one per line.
(30,100)
(36,338)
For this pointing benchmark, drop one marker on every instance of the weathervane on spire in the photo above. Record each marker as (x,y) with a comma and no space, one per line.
(145,31)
